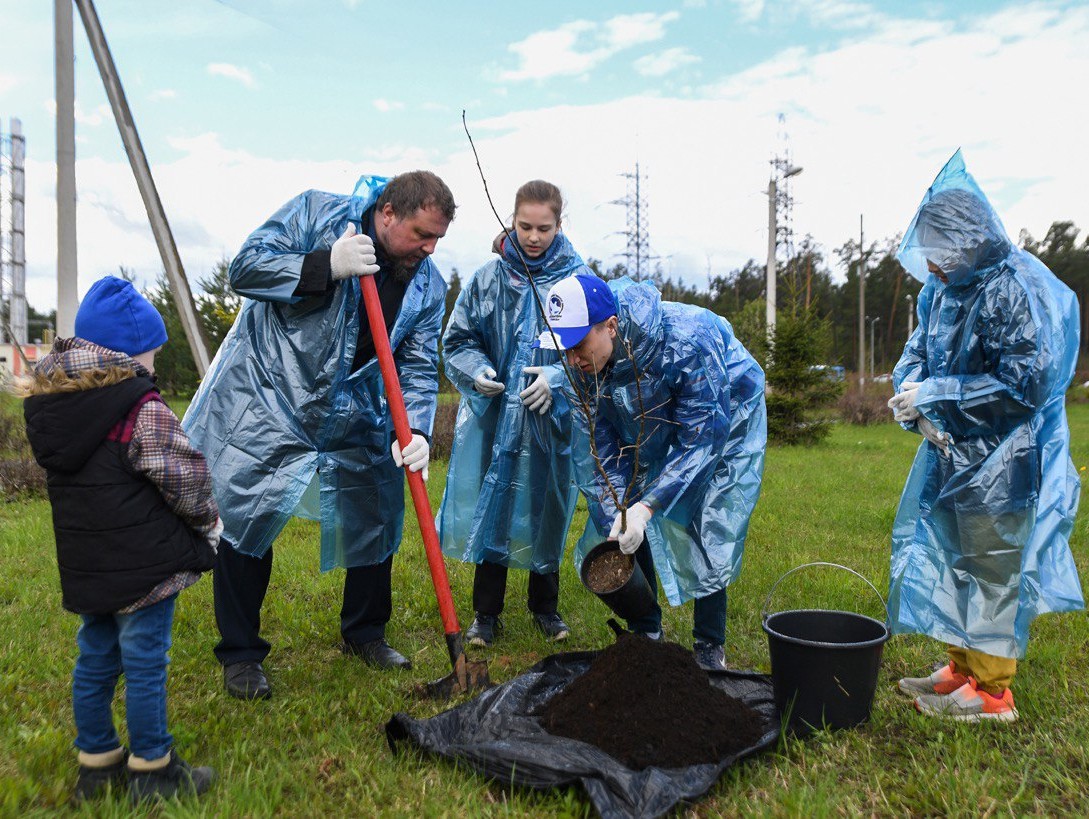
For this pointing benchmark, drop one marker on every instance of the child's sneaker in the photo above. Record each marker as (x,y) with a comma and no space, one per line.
(94,780)
(943,681)
(174,779)
(968,704)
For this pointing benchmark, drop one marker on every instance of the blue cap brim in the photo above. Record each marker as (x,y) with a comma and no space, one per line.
(567,337)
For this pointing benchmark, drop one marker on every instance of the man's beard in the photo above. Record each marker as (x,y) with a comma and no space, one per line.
(402,270)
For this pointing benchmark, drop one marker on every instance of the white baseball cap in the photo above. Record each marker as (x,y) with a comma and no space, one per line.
(573,306)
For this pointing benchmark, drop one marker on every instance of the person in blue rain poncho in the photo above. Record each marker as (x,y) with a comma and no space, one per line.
(980,542)
(510,493)
(292,414)
(672,379)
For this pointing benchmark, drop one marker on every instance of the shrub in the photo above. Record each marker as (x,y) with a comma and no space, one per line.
(19,472)
(865,409)
(442,435)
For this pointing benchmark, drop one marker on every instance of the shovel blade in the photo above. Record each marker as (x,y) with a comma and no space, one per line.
(466,678)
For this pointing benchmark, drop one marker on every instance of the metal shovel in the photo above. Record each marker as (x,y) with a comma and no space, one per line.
(467,675)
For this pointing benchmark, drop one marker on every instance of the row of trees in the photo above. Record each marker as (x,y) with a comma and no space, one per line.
(817,315)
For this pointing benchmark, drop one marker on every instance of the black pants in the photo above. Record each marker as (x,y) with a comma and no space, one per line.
(240,583)
(708,613)
(490,587)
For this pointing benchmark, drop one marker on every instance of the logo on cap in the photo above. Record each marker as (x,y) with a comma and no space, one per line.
(555,307)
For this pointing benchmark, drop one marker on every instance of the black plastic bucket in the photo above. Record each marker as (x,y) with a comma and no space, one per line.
(824,664)
(631,600)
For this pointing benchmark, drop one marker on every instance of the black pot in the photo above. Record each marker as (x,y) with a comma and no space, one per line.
(634,598)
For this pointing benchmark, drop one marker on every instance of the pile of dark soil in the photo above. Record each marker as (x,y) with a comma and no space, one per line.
(647,703)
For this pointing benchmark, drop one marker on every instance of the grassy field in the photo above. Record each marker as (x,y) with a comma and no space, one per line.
(318,747)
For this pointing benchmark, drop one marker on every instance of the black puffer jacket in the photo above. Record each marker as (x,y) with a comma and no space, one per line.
(117,538)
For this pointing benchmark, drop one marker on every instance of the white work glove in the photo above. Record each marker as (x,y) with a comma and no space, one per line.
(484,384)
(630,538)
(903,403)
(214,536)
(415,455)
(353,255)
(941,440)
(537,397)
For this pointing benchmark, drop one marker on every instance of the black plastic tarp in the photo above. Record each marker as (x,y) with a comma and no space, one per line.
(495,734)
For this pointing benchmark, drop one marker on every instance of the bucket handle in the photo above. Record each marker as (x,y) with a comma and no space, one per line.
(764,611)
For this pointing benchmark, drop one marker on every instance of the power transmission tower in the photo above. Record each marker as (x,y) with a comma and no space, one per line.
(780,218)
(637,254)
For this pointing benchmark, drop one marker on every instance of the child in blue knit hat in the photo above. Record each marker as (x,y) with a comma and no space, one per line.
(135,523)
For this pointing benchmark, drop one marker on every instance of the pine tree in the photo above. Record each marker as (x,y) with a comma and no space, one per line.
(797,389)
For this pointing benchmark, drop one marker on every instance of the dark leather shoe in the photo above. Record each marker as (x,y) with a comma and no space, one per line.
(377,653)
(246,681)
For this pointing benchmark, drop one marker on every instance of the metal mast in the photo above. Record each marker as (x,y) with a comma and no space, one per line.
(637,254)
(780,219)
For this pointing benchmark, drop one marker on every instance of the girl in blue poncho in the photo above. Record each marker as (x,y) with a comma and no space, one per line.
(509,494)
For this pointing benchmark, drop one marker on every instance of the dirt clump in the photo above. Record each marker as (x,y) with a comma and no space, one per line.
(647,703)
(609,571)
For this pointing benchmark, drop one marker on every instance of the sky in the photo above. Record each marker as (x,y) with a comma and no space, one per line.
(242,104)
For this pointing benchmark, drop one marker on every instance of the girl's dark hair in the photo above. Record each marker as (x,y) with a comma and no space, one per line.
(537,190)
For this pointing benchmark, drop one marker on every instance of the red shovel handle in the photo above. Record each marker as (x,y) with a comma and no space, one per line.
(404,436)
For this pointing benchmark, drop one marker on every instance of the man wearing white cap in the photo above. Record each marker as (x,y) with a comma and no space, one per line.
(674,397)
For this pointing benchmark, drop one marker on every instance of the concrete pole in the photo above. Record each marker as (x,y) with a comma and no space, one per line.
(17,310)
(65,77)
(168,251)
(861,309)
(773,230)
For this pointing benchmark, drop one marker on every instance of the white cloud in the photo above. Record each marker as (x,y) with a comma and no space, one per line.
(749,10)
(627,30)
(385,105)
(7,82)
(662,63)
(577,47)
(162,94)
(233,72)
(98,115)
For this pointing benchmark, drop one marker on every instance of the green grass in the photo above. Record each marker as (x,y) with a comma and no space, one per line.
(318,747)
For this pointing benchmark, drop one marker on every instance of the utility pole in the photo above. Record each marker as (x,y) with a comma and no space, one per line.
(773,241)
(17,305)
(160,227)
(65,79)
(861,309)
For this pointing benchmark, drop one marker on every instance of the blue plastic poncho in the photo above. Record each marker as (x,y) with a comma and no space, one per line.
(701,460)
(280,410)
(510,492)
(980,542)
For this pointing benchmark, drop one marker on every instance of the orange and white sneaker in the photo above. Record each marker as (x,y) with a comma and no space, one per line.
(943,681)
(968,704)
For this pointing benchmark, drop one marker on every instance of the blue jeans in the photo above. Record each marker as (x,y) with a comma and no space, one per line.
(708,613)
(134,644)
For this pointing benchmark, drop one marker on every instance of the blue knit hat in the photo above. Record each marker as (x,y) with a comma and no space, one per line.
(114,315)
